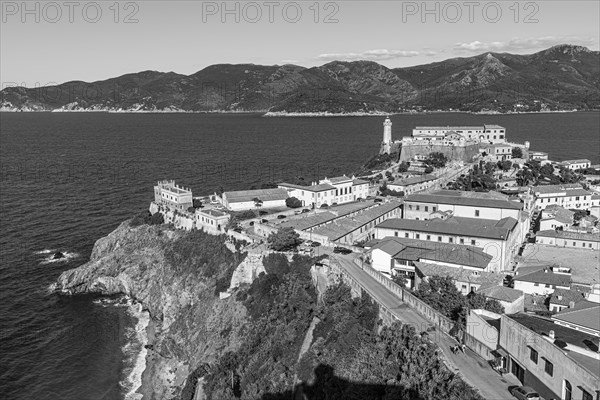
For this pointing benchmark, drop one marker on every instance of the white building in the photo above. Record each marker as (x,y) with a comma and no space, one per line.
(253,199)
(500,239)
(462,204)
(213,221)
(542,281)
(169,194)
(498,151)
(568,195)
(574,165)
(575,240)
(488,133)
(413,184)
(337,190)
(556,217)
(538,156)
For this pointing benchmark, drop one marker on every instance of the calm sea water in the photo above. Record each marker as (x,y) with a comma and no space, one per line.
(68,179)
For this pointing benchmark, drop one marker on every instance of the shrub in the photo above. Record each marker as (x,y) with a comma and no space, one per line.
(293,202)
(284,239)
(517,152)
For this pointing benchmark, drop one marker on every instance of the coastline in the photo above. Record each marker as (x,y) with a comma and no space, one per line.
(144,390)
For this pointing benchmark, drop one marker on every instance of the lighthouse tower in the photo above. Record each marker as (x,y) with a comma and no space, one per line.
(386,144)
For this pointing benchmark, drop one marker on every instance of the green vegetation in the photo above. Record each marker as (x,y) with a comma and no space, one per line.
(436,160)
(441,293)
(378,162)
(384,191)
(517,152)
(145,218)
(403,166)
(533,173)
(284,239)
(293,202)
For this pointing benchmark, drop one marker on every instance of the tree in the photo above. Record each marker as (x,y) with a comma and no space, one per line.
(197,203)
(428,169)
(403,167)
(293,202)
(257,202)
(284,239)
(441,293)
(436,160)
(400,280)
(505,165)
(517,152)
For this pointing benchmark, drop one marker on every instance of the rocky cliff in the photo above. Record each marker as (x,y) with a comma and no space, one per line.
(155,266)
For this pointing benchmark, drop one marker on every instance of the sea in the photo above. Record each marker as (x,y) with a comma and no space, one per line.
(68,179)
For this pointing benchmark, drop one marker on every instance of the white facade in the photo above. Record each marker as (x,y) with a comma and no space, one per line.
(567,196)
(488,133)
(499,152)
(211,220)
(172,195)
(329,191)
(575,164)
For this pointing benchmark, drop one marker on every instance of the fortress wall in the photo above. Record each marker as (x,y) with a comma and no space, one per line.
(464,153)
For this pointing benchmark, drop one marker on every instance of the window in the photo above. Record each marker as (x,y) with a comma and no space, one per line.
(417,236)
(418,208)
(428,237)
(434,208)
(549,367)
(533,355)
(585,395)
(477,213)
(439,238)
(574,244)
(462,241)
(568,390)
(472,242)
(450,240)
(410,206)
(395,233)
(426,208)
(406,235)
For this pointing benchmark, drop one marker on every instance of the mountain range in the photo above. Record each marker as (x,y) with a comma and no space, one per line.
(563,77)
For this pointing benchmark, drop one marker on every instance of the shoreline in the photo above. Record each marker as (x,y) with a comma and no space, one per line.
(144,390)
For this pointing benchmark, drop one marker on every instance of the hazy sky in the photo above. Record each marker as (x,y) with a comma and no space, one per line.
(53,42)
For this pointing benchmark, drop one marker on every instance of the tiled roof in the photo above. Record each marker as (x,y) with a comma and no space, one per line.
(460,274)
(565,187)
(564,297)
(262,194)
(445,128)
(558,213)
(593,237)
(545,276)
(585,313)
(359,182)
(413,180)
(459,226)
(214,213)
(493,127)
(312,188)
(502,293)
(578,161)
(417,250)
(338,179)
(456,197)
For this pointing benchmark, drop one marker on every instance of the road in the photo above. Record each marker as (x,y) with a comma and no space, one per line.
(472,368)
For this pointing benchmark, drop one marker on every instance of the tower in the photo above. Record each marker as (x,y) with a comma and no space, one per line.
(386,144)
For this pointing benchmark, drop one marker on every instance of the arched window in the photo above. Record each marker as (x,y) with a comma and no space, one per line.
(568,390)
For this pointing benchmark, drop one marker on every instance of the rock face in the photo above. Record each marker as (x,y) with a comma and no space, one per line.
(191,325)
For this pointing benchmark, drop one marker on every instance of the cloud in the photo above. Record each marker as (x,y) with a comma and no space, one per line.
(371,55)
(518,44)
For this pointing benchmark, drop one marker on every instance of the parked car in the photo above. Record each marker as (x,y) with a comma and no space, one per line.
(297,212)
(525,393)
(281,217)
(305,210)
(341,250)
(264,221)
(315,244)
(237,229)
(251,223)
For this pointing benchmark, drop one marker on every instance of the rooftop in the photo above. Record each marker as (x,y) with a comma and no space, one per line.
(564,297)
(549,189)
(485,279)
(475,199)
(337,179)
(212,212)
(501,293)
(417,250)
(312,188)
(551,233)
(577,161)
(413,180)
(262,194)
(459,226)
(543,327)
(558,213)
(343,226)
(584,264)
(544,276)
(585,313)
(445,128)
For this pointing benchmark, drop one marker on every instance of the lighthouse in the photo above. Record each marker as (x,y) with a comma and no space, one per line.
(386,144)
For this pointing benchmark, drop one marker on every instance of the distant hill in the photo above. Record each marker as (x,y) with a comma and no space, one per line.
(563,77)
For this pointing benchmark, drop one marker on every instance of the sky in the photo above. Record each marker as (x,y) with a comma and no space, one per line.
(49,42)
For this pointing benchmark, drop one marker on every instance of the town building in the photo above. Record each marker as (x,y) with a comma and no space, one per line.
(466,280)
(329,191)
(397,256)
(512,300)
(498,238)
(212,221)
(490,205)
(538,156)
(253,199)
(169,194)
(413,184)
(498,151)
(575,165)
(488,133)
(558,238)
(542,281)
(568,195)
(482,333)
(556,217)
(556,361)
(582,316)
(564,298)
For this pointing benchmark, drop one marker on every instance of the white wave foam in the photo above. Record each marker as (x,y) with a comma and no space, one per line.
(68,256)
(135,352)
(45,251)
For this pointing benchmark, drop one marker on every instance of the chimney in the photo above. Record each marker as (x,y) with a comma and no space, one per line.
(559,296)
(551,334)
(571,304)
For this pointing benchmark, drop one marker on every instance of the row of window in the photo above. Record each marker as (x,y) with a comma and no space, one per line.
(439,238)
(549,199)
(426,208)
(548,366)
(566,243)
